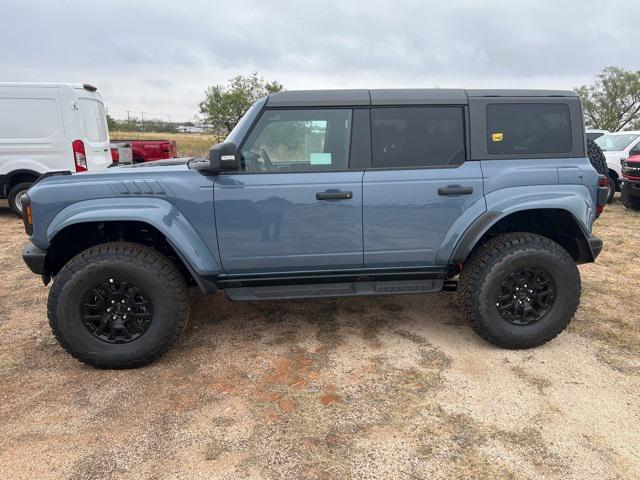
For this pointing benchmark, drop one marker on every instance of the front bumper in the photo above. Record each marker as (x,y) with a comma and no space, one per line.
(595,244)
(34,257)
(634,185)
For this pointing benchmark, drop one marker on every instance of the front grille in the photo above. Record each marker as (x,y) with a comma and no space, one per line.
(631,168)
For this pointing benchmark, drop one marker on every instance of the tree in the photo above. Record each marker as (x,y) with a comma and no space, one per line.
(224,106)
(612,102)
(111,123)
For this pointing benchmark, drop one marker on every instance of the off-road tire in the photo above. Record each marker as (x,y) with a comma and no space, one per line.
(13,197)
(629,201)
(138,264)
(492,262)
(597,158)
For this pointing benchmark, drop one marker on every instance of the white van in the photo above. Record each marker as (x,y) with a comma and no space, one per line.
(47,127)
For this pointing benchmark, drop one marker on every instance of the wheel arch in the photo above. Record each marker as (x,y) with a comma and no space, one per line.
(15,177)
(151,221)
(557,224)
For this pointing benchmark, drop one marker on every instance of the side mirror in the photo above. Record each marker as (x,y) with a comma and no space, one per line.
(224,157)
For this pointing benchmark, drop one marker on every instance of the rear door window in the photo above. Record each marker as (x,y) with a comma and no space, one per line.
(94,120)
(417,136)
(528,128)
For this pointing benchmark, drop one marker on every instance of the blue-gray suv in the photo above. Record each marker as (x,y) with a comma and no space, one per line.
(326,194)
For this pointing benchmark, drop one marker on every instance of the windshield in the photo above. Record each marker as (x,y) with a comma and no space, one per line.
(615,143)
(240,130)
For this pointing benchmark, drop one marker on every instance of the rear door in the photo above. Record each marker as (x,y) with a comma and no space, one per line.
(421,193)
(296,206)
(93,120)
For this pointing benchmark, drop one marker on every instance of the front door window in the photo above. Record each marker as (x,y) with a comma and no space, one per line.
(299,140)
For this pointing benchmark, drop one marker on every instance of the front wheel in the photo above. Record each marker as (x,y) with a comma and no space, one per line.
(118,305)
(519,290)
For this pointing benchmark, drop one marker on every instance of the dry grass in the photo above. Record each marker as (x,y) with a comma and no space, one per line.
(188,144)
(352,388)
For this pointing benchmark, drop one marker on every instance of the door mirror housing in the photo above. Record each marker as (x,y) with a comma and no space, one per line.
(224,157)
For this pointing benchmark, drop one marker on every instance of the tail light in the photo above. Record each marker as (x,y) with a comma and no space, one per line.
(115,155)
(79,156)
(602,181)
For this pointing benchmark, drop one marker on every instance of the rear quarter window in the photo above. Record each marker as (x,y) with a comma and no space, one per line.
(528,128)
(94,120)
(28,118)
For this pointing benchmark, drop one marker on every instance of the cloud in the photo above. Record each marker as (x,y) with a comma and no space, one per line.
(159,57)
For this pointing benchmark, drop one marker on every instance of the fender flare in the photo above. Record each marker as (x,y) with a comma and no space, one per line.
(577,203)
(157,212)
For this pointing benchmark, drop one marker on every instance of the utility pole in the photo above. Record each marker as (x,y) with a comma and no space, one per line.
(128,121)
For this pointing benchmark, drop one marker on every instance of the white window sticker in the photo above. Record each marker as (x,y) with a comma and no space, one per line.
(320,158)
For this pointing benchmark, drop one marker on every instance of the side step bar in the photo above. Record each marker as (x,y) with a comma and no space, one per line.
(343,289)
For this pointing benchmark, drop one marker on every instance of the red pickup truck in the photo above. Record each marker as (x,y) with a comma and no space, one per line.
(150,150)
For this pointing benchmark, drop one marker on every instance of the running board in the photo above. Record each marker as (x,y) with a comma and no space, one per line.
(344,289)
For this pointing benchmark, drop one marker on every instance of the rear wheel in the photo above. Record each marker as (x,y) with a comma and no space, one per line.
(519,290)
(15,197)
(612,188)
(118,305)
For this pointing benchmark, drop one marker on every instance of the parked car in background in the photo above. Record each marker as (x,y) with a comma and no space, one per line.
(631,182)
(47,127)
(121,153)
(618,146)
(151,150)
(325,194)
(593,133)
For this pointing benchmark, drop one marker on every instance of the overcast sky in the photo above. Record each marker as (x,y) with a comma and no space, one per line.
(159,56)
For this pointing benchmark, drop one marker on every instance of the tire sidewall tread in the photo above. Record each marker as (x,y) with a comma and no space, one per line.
(481,273)
(164,284)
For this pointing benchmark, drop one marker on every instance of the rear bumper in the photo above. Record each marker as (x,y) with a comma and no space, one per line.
(595,244)
(34,257)
(3,193)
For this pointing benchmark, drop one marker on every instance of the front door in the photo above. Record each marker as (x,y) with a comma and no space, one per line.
(295,206)
(420,195)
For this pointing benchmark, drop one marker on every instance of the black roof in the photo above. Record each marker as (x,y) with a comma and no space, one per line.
(404,96)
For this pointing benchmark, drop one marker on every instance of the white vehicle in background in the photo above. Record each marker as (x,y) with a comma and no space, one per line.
(46,127)
(593,133)
(618,146)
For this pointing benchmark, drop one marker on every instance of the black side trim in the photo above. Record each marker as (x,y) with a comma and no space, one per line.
(235,281)
(3,192)
(51,174)
(471,235)
(206,284)
(34,257)
(595,244)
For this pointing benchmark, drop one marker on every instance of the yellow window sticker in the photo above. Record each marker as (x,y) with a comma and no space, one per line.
(497,137)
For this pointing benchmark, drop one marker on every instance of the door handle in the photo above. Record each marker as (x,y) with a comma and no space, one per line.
(334,195)
(455,190)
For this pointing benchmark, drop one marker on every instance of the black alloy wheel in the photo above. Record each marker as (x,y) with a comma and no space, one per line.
(525,296)
(116,311)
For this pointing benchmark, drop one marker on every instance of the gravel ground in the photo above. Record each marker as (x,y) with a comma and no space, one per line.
(389,387)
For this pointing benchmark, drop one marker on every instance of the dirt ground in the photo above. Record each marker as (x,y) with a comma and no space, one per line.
(389,387)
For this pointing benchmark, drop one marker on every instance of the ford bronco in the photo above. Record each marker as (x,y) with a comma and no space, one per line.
(326,194)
